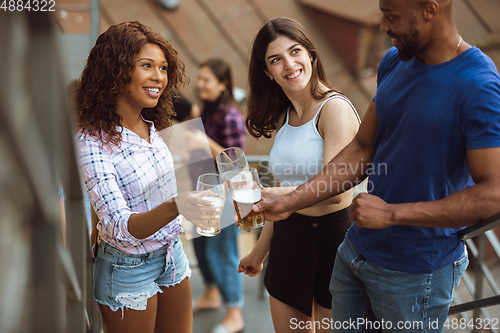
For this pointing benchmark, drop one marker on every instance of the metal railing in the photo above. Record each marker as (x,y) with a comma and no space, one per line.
(475,237)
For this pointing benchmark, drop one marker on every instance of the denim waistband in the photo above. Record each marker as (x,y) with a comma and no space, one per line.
(111,251)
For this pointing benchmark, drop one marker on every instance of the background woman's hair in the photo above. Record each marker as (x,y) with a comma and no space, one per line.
(222,72)
(266,100)
(108,73)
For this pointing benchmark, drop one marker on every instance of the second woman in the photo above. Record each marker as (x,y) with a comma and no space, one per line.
(290,95)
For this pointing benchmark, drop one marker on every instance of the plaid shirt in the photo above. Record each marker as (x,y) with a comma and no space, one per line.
(133,178)
(230,130)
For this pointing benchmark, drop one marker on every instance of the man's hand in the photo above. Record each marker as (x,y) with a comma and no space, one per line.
(274,207)
(370,211)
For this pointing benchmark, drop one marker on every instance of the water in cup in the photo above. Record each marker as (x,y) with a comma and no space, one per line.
(211,187)
(213,226)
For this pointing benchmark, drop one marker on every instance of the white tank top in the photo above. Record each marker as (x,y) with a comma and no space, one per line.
(297,153)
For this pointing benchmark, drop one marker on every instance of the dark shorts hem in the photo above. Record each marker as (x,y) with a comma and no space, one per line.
(301,258)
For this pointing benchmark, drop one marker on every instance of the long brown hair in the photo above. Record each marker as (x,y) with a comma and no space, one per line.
(108,73)
(222,72)
(266,100)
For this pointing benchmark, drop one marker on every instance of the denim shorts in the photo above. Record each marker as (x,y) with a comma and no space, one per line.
(124,280)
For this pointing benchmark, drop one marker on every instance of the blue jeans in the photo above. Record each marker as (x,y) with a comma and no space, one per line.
(370,298)
(218,259)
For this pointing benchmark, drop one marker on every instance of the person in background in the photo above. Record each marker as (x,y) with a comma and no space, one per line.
(290,95)
(185,109)
(430,144)
(218,256)
(169,4)
(123,99)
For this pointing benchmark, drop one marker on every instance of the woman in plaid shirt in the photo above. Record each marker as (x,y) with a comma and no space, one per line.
(123,99)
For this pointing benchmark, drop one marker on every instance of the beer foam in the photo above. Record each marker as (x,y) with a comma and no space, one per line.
(237,175)
(247,196)
(218,202)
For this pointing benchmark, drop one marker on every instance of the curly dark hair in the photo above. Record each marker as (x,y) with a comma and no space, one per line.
(108,73)
(266,100)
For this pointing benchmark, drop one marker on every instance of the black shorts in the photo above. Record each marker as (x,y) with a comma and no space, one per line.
(301,258)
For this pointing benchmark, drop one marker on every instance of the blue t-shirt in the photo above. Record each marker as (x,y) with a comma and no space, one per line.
(428,116)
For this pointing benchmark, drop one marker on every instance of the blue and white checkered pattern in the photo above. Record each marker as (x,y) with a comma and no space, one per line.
(133,178)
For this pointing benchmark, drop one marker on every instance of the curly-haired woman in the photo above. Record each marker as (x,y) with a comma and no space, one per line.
(290,94)
(123,99)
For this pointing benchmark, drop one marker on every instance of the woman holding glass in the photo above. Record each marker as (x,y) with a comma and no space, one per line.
(290,95)
(218,256)
(123,99)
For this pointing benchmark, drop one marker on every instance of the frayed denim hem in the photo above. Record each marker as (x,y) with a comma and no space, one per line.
(187,274)
(136,301)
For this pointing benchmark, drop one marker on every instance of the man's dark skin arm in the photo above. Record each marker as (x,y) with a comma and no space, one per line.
(460,209)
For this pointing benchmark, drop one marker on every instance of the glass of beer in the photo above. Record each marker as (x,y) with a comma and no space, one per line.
(244,186)
(211,187)
(231,159)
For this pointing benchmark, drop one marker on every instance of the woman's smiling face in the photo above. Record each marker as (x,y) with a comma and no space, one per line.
(209,86)
(149,78)
(289,64)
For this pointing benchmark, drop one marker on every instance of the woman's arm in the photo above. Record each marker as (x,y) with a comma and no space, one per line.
(194,209)
(143,225)
(113,210)
(94,231)
(338,125)
(253,263)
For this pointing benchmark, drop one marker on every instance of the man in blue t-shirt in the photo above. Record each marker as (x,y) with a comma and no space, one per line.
(430,144)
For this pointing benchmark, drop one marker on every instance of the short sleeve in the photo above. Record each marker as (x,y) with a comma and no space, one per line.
(386,64)
(481,116)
